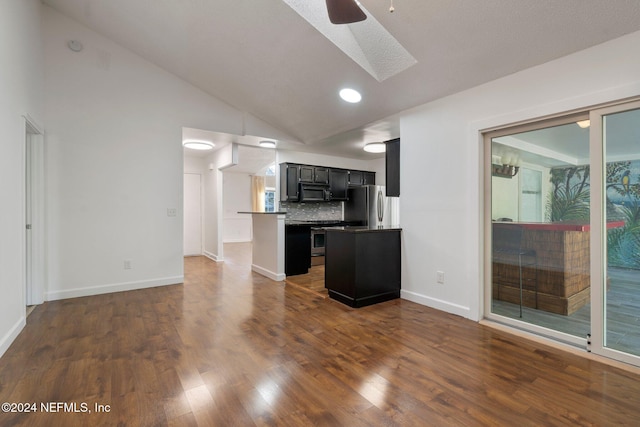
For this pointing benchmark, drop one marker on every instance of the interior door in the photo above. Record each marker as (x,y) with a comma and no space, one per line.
(192,214)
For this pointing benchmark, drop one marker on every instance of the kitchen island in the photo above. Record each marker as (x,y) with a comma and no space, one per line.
(362,264)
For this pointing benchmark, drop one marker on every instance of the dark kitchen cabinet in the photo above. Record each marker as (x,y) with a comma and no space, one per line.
(297,249)
(362,266)
(334,180)
(320,175)
(289,178)
(338,184)
(369,178)
(392,167)
(306,173)
(355,177)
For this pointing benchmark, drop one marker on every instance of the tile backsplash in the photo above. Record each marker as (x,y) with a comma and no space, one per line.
(313,210)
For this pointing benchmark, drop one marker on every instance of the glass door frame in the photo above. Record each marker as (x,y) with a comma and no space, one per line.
(598,238)
(599,257)
(488,135)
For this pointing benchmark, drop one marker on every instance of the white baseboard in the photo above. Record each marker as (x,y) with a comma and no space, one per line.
(13,333)
(213,257)
(436,303)
(116,287)
(268,273)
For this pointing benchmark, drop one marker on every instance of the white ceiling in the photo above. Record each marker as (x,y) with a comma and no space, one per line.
(263,58)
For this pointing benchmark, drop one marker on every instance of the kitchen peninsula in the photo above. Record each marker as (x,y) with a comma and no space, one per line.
(267,256)
(362,264)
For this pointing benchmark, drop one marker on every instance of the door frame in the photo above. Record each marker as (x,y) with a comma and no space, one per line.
(599,256)
(34,249)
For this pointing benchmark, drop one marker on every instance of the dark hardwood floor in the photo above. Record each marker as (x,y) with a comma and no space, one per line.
(232,348)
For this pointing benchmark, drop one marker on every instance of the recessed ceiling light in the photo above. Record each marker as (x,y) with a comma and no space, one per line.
(375,147)
(350,95)
(584,123)
(268,144)
(197,144)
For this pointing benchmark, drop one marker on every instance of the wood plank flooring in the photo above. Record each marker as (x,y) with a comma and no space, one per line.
(232,348)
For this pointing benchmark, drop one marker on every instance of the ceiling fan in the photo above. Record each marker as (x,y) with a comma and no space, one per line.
(344,12)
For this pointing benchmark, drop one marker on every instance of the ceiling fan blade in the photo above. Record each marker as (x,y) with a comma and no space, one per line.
(344,12)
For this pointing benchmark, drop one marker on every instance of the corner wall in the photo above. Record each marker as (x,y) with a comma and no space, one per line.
(441,163)
(115,162)
(21,86)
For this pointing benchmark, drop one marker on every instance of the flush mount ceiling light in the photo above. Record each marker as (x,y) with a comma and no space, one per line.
(350,95)
(267,144)
(584,123)
(197,144)
(375,147)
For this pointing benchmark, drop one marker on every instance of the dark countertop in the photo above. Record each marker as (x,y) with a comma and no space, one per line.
(264,213)
(361,229)
(320,223)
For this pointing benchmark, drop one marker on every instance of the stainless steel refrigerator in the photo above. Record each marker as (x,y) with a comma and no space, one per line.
(369,205)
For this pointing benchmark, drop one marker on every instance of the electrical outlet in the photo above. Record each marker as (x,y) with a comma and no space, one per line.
(172,211)
(127,264)
(440,277)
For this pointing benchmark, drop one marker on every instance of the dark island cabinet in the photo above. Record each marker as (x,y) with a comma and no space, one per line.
(338,183)
(362,267)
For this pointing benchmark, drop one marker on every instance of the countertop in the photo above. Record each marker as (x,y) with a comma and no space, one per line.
(365,228)
(264,213)
(559,226)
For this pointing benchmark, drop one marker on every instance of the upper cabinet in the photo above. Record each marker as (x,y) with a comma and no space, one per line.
(355,178)
(337,180)
(392,167)
(369,178)
(289,180)
(338,184)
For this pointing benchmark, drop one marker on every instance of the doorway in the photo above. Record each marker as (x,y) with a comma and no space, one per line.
(34,214)
(562,229)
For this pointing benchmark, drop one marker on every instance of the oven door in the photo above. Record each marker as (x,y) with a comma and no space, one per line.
(317,242)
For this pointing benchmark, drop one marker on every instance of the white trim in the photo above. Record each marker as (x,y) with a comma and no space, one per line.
(13,333)
(237,241)
(578,351)
(268,273)
(437,304)
(213,256)
(116,287)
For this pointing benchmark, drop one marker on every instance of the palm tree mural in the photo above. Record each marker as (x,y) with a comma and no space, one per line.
(569,200)
(570,197)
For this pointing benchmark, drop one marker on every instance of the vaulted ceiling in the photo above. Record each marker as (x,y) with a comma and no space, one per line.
(264,58)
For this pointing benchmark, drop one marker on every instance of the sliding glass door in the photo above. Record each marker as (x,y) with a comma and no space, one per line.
(616,133)
(562,230)
(539,231)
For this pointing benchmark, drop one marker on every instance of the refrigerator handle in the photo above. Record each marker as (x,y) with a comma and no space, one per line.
(380,206)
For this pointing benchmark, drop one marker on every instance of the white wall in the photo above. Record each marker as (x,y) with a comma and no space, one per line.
(236,195)
(21,86)
(115,165)
(441,157)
